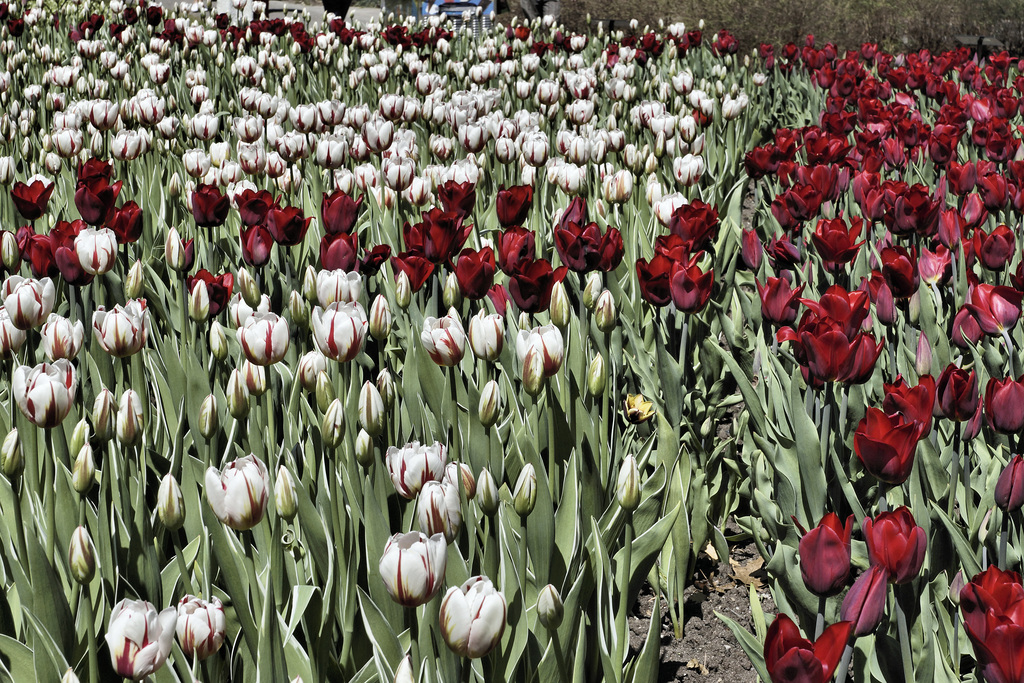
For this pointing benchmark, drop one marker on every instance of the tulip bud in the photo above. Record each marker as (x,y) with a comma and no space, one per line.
(364,449)
(627,490)
(102,423)
(218,341)
(914,307)
(490,404)
(248,288)
(1009,493)
(84,472)
(285,499)
(333,424)
(79,437)
(386,387)
(487,493)
(404,672)
(129,418)
(199,302)
(605,313)
(597,376)
(592,291)
(524,498)
(549,607)
(238,395)
(371,409)
(11,462)
(559,309)
(533,371)
(451,295)
(170,505)
(486,336)
(380,318)
(209,418)
(70,677)
(298,310)
(9,251)
(923,360)
(403,291)
(134,281)
(324,391)
(175,251)
(864,604)
(82,556)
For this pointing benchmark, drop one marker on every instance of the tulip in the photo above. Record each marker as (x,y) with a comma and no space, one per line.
(915,403)
(11,463)
(439,510)
(864,604)
(139,638)
(486,336)
(238,494)
(513,204)
(896,543)
(46,392)
(690,286)
(473,617)
(209,207)
(386,387)
(825,555)
(444,339)
(524,497)
(337,285)
(549,607)
(338,213)
(380,318)
(201,626)
(779,301)
(28,302)
(531,282)
(1004,404)
(122,331)
(458,475)
(886,445)
(790,658)
(340,330)
(474,272)
(264,338)
(83,473)
(413,567)
(490,404)
(371,409)
(1009,493)
(180,254)
(286,501)
(170,505)
(31,199)
(487,493)
(627,488)
(82,556)
(333,424)
(61,338)
(547,341)
(96,250)
(996,308)
(637,409)
(413,465)
(11,337)
(957,393)
(991,605)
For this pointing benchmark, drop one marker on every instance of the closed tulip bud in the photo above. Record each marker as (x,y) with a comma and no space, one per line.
(237,395)
(864,604)
(84,472)
(82,556)
(524,498)
(1009,492)
(386,387)
(9,251)
(486,336)
(199,302)
(11,462)
(170,505)
(129,418)
(324,391)
(218,340)
(627,489)
(825,555)
(597,376)
(451,295)
(487,493)
(364,449)
(490,404)
(403,291)
(248,288)
(285,499)
(371,409)
(404,672)
(559,309)
(592,290)
(605,313)
(533,371)
(298,310)
(380,318)
(549,607)
(177,254)
(209,418)
(255,378)
(309,285)
(70,677)
(923,360)
(333,425)
(134,282)
(79,437)
(102,414)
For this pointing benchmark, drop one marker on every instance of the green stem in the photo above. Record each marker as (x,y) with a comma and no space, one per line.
(904,633)
(50,495)
(90,615)
(954,466)
(563,670)
(844,664)
(819,623)
(621,632)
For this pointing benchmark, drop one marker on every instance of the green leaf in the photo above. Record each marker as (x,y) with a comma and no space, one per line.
(750,645)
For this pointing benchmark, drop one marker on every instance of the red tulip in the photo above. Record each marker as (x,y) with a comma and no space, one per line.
(899,268)
(417,267)
(338,212)
(287,225)
(253,206)
(31,200)
(825,555)
(654,279)
(339,251)
(209,207)
(935,267)
(784,254)
(995,249)
(779,301)
(126,222)
(374,258)
(530,286)
(95,169)
(1004,404)
(966,330)
(218,287)
(696,223)
(896,543)
(690,286)
(915,403)
(457,198)
(513,205)
(438,237)
(864,604)
(791,658)
(992,187)
(95,199)
(957,393)
(835,243)
(961,179)
(885,445)
(1009,492)
(995,307)
(256,244)
(515,245)
(583,248)
(474,272)
(993,608)
(751,250)
(848,310)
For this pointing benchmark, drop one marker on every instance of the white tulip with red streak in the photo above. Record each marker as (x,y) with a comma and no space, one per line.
(45,392)
(96,249)
(413,566)
(139,638)
(548,341)
(444,339)
(28,302)
(473,617)
(264,338)
(122,331)
(61,338)
(340,330)
(238,493)
(414,464)
(201,626)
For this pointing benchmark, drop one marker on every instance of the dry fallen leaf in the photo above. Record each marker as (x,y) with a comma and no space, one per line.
(710,552)
(698,666)
(742,571)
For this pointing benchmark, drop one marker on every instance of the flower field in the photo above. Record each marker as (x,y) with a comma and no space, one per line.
(385,353)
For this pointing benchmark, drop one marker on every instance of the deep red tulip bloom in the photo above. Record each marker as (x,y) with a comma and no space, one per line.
(961,179)
(1004,404)
(825,555)
(672,247)
(38,250)
(865,353)
(824,178)
(916,403)
(287,225)
(576,213)
(253,206)
(126,222)
(957,393)
(513,205)
(209,207)
(218,287)
(791,658)
(654,279)
(784,254)
(935,267)
(416,267)
(530,286)
(515,245)
(995,249)
(457,198)
(31,200)
(751,250)
(992,187)
(896,543)
(339,212)
(95,200)
(584,249)
(696,223)
(95,169)
(438,237)
(374,258)
(691,286)
(499,298)
(886,444)
(256,245)
(913,211)
(835,243)
(995,307)
(953,228)
(474,272)
(339,251)
(966,330)
(899,268)
(992,609)
(848,310)
(1009,492)
(70,267)
(864,604)
(779,301)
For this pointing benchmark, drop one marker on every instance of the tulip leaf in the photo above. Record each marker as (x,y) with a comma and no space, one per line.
(387,651)
(753,401)
(645,666)
(18,661)
(750,645)
(965,553)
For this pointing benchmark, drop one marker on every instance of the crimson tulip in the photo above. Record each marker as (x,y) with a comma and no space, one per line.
(886,444)
(474,272)
(899,268)
(583,248)
(253,206)
(1004,404)
(287,225)
(530,286)
(126,222)
(339,212)
(690,286)
(848,310)
(696,223)
(417,267)
(957,393)
(95,200)
(1009,493)
(256,245)
(209,207)
(864,604)
(457,198)
(217,287)
(513,205)
(835,243)
(374,258)
(935,267)
(966,331)
(338,251)
(916,403)
(654,279)
(896,543)
(993,609)
(515,245)
(825,555)
(31,199)
(961,179)
(779,301)
(438,237)
(995,249)
(751,250)
(790,658)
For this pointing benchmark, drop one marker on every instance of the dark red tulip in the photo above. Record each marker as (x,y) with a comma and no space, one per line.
(339,212)
(690,286)
(751,250)
(95,169)
(287,225)
(886,444)
(916,403)
(899,268)
(995,249)
(992,188)
(1009,492)
(416,267)
(499,298)
(961,179)
(935,267)
(457,198)
(779,301)
(791,658)
(70,267)
(31,200)
(209,207)
(825,555)
(913,211)
(966,330)
(848,310)
(95,200)
(896,543)
(530,286)
(784,254)
(253,206)
(256,245)
(654,279)
(218,287)
(584,249)
(1004,404)
(438,237)
(513,205)
(864,604)
(957,393)
(38,250)
(339,251)
(126,222)
(953,228)
(696,223)
(992,605)
(995,307)
(474,272)
(373,259)
(835,243)
(515,245)
(576,213)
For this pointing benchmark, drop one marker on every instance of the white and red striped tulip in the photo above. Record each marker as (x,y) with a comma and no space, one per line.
(444,339)
(238,493)
(28,302)
(139,638)
(264,338)
(414,464)
(201,626)
(340,330)
(122,331)
(413,566)
(473,617)
(45,392)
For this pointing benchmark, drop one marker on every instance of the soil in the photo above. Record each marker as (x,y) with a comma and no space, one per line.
(708,652)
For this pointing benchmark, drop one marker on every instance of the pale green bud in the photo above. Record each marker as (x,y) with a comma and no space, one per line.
(9,251)
(403,291)
(333,425)
(371,409)
(533,371)
(83,474)
(604,313)
(298,310)
(102,414)
(285,498)
(248,288)
(209,418)
(324,391)
(238,395)
(199,302)
(82,556)
(130,418)
(549,607)
(592,290)
(309,292)
(80,436)
(70,677)
(170,504)
(560,310)
(923,360)
(218,341)
(364,448)
(134,282)
(11,461)
(380,318)
(451,295)
(386,387)
(597,376)
(627,490)
(490,404)
(487,493)
(524,498)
